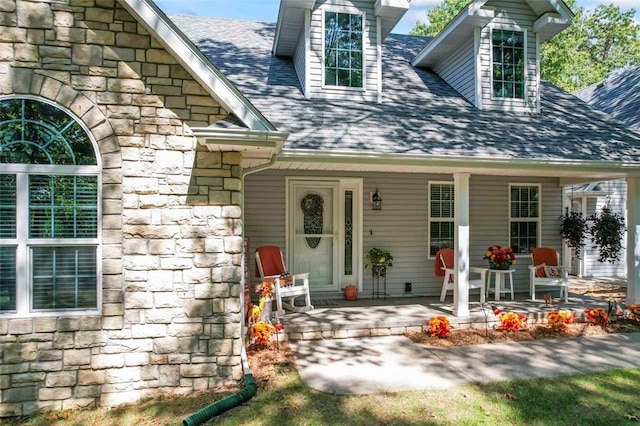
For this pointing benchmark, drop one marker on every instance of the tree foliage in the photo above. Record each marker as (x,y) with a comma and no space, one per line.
(598,42)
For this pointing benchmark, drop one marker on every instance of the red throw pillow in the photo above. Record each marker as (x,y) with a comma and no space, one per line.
(540,271)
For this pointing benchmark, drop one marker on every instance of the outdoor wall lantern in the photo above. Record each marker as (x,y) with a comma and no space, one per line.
(376,200)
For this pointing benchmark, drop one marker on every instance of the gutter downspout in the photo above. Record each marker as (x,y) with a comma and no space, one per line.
(219,407)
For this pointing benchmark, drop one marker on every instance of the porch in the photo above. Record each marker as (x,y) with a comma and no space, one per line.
(338,319)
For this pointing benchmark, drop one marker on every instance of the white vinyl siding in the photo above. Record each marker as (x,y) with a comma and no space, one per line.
(459,72)
(516,17)
(402,224)
(299,60)
(370,69)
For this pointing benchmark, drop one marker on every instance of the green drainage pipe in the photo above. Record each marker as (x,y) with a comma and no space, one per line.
(227,403)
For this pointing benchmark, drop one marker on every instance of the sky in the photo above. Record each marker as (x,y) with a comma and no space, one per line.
(267,10)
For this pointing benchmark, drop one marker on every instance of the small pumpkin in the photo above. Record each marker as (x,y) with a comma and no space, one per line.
(351,292)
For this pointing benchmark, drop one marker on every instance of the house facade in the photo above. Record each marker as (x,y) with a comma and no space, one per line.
(141,153)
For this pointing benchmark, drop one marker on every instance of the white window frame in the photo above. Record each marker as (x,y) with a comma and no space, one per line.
(509,101)
(439,219)
(365,30)
(24,244)
(538,220)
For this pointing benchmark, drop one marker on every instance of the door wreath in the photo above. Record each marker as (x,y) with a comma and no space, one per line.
(313,207)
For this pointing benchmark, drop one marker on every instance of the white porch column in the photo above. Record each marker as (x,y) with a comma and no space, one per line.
(461,245)
(633,240)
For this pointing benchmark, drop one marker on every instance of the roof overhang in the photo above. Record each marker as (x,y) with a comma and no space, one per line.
(569,171)
(455,34)
(390,12)
(259,146)
(290,24)
(553,17)
(196,64)
(549,25)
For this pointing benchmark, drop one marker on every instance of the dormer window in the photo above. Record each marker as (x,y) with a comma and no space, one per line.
(508,63)
(343,65)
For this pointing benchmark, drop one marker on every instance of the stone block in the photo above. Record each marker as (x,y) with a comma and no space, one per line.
(99,15)
(90,339)
(233,244)
(136,41)
(90,322)
(21,394)
(21,326)
(159,316)
(125,85)
(160,247)
(89,55)
(138,300)
(76,357)
(34,15)
(62,19)
(104,361)
(46,366)
(61,379)
(22,379)
(44,325)
(112,323)
(101,37)
(176,263)
(46,394)
(113,53)
(91,83)
(91,377)
(165,300)
(148,330)
(136,359)
(187,329)
(165,345)
(17,353)
(198,370)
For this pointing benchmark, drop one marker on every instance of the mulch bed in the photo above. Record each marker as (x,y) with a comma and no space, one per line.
(477,336)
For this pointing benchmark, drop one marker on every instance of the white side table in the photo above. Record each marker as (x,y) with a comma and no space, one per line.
(500,282)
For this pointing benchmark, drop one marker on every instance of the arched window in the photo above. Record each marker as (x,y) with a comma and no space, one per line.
(49,210)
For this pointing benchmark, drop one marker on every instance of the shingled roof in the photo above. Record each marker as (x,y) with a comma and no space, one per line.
(420,113)
(618,96)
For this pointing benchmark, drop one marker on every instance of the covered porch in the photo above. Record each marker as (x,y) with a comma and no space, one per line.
(338,319)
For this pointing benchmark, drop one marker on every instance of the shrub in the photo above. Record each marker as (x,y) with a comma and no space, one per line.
(439,326)
(597,316)
(511,321)
(558,320)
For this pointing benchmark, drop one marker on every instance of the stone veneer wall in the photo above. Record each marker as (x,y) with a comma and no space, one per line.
(171,218)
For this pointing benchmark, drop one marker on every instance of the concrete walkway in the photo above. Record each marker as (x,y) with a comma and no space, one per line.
(395,363)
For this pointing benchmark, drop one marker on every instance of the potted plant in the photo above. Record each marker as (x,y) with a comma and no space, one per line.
(607,232)
(573,228)
(379,260)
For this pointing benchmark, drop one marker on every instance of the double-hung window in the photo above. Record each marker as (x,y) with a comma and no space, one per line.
(508,57)
(524,217)
(343,49)
(49,211)
(441,216)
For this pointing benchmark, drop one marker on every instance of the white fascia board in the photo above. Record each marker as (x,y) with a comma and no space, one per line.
(390,13)
(341,157)
(550,24)
(468,19)
(198,66)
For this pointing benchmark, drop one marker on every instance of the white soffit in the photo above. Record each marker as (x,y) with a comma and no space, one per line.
(289,26)
(259,145)
(198,66)
(391,11)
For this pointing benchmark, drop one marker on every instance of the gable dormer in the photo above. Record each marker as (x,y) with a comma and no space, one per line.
(490,52)
(336,44)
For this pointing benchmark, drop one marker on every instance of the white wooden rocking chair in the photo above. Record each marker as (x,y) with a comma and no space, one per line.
(270,266)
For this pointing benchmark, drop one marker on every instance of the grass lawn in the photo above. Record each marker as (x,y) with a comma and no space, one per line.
(609,398)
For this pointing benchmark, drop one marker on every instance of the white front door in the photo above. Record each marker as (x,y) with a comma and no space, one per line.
(324,217)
